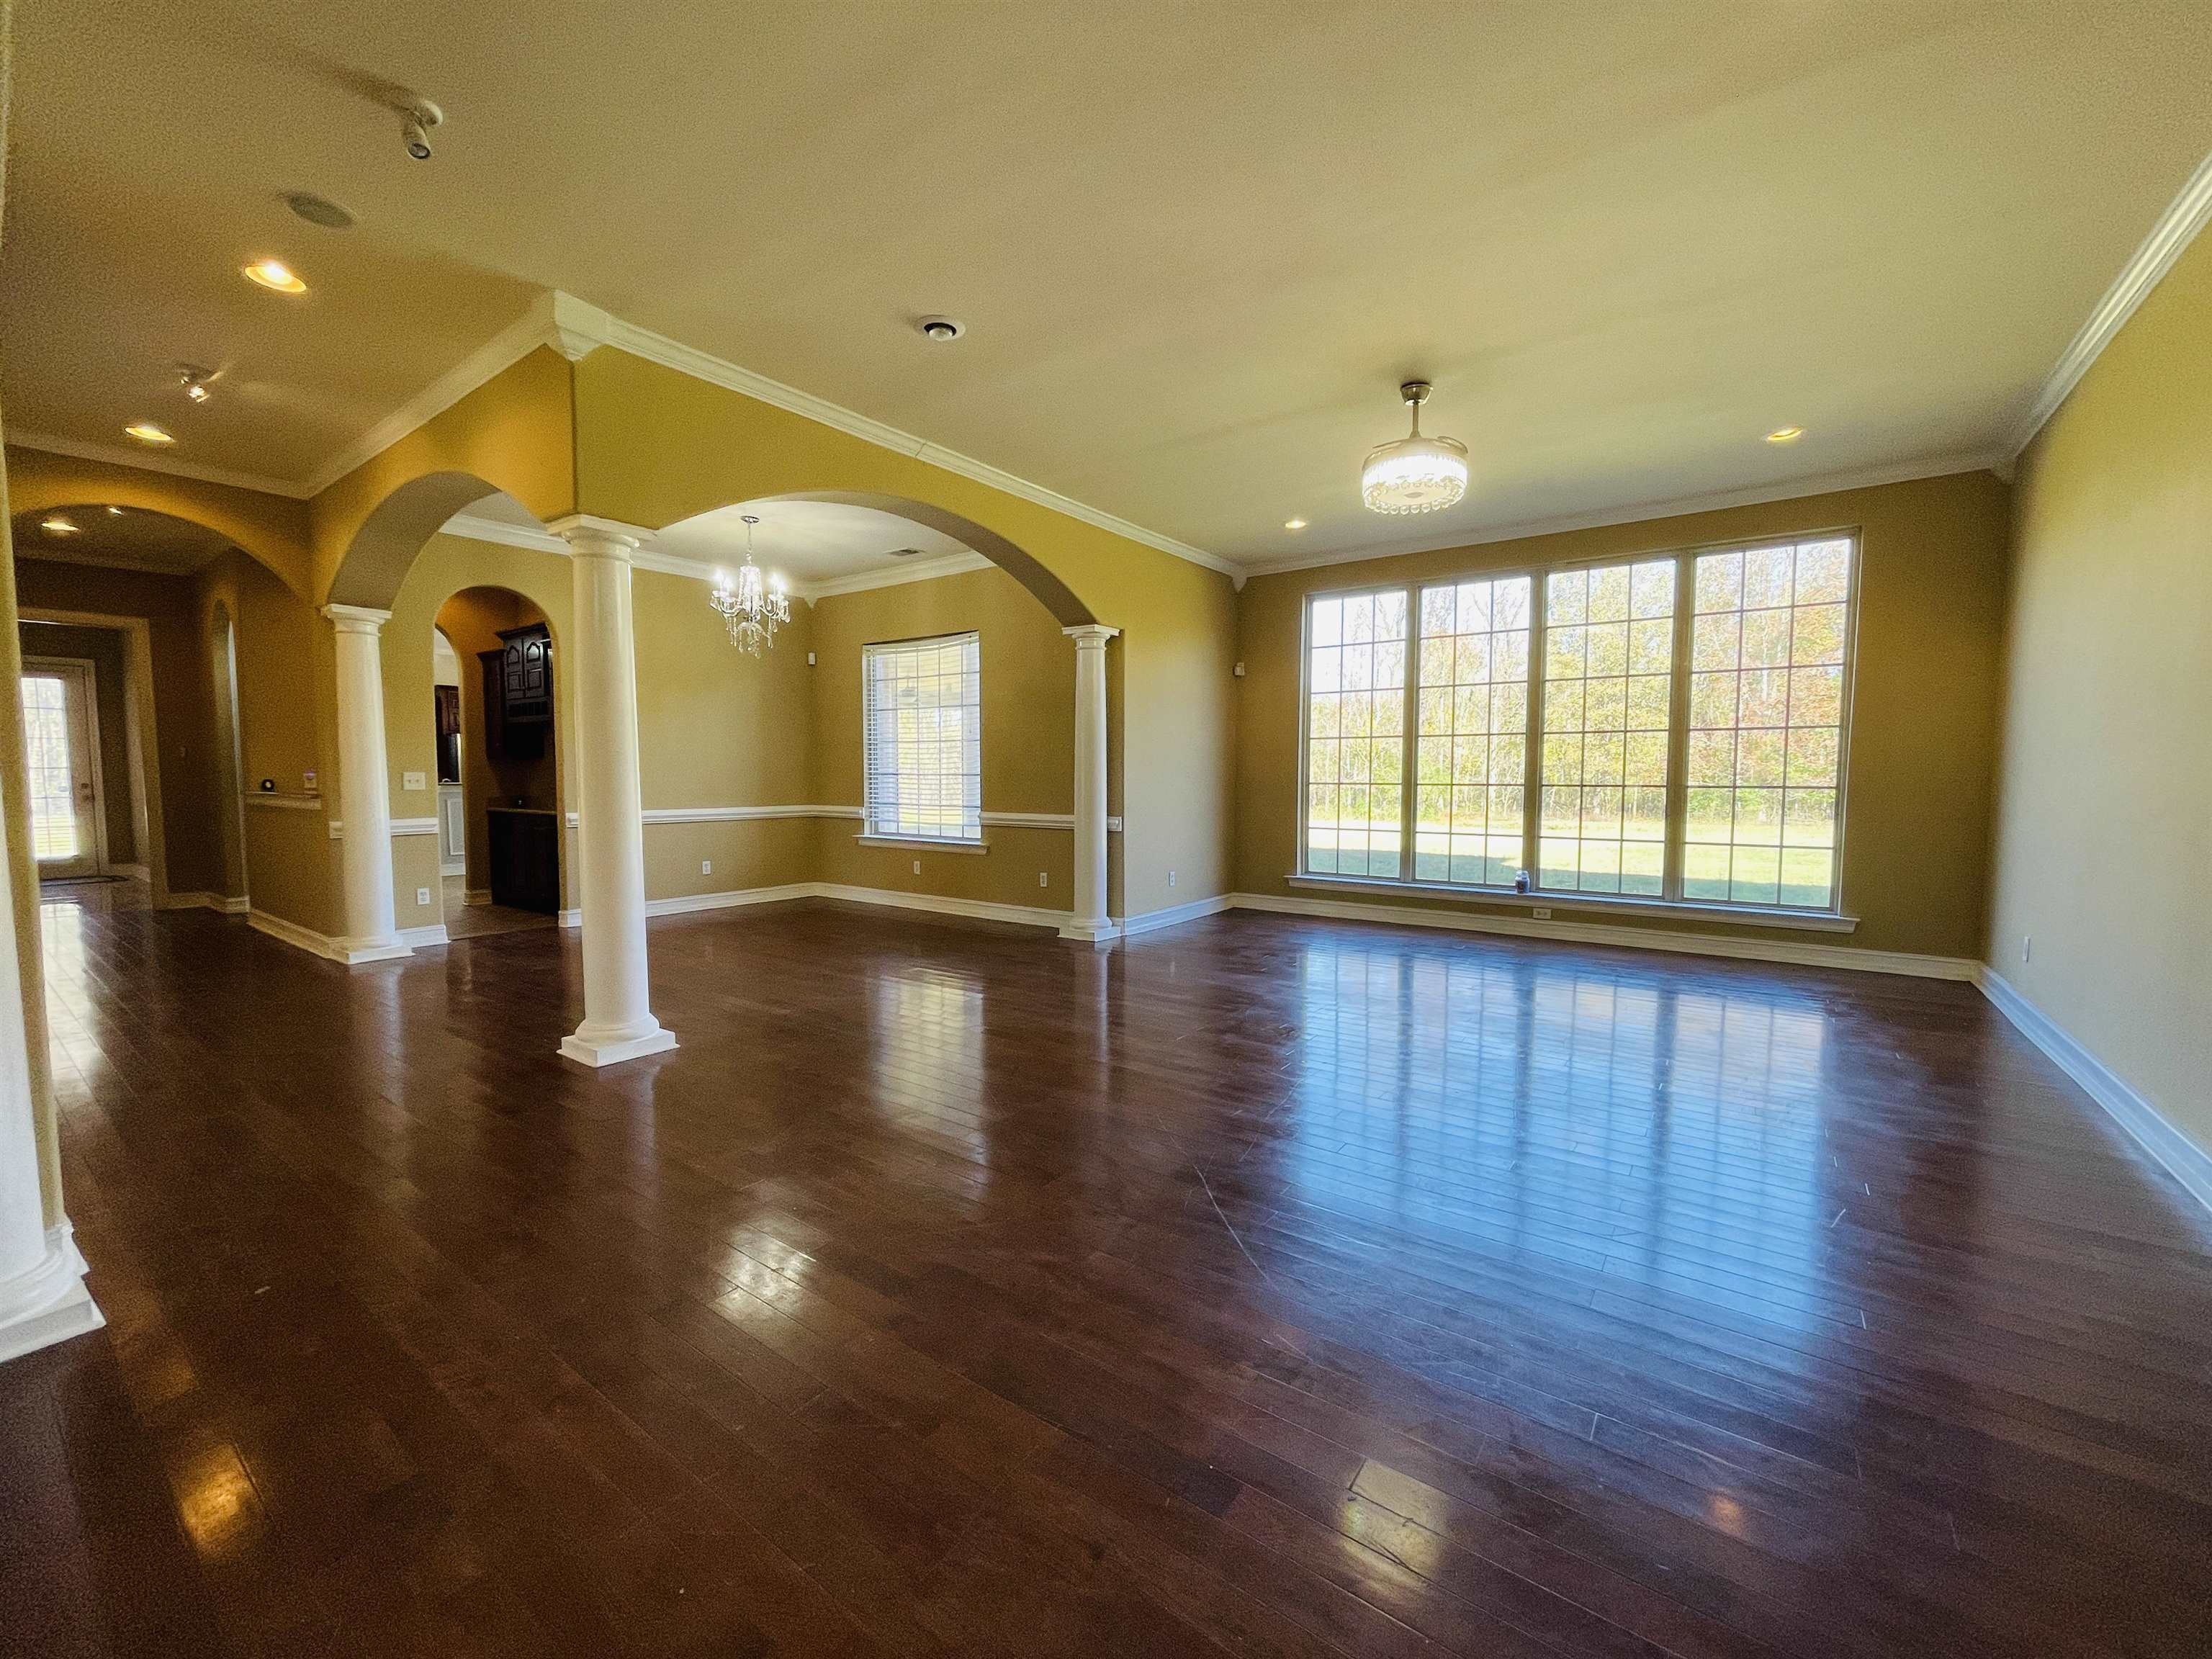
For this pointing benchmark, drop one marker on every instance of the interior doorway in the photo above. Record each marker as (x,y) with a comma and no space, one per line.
(504,758)
(61,729)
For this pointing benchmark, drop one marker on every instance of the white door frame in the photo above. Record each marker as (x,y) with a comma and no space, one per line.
(87,674)
(141,735)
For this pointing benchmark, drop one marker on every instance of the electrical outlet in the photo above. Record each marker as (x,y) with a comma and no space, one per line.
(422,895)
(810,659)
(1542,913)
(1171,878)
(307,782)
(1043,880)
(917,866)
(2026,947)
(705,867)
(412,780)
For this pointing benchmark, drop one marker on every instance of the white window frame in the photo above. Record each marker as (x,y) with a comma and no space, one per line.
(1670,901)
(880,822)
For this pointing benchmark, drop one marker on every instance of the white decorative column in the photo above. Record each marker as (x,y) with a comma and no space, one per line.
(602,675)
(1090,919)
(42,1295)
(371,931)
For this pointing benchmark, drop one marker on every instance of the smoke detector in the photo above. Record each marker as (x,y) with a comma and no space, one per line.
(904,553)
(318,209)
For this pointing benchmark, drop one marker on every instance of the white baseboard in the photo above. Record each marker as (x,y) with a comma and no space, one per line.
(220,903)
(1025,915)
(323,944)
(1175,915)
(2179,1154)
(1634,939)
(476,895)
(130,872)
(49,1302)
(685,903)
(416,939)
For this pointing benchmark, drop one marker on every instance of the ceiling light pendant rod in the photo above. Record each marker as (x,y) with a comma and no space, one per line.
(1416,474)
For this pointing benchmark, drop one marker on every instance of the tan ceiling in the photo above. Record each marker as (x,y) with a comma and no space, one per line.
(131,540)
(1197,247)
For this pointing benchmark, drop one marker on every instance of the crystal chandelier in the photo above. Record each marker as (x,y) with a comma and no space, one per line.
(1415,474)
(752,606)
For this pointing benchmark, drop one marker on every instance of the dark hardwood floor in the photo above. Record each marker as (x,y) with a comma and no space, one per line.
(1262,1287)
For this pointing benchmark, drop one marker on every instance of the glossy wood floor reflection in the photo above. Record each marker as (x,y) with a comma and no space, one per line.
(1264,1287)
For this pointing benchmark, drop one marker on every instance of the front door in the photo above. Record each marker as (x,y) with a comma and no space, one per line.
(64,760)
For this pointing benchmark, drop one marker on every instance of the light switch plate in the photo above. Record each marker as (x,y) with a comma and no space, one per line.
(422,895)
(412,781)
(307,782)
(705,867)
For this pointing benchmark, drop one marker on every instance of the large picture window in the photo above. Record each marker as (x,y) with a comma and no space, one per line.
(923,718)
(1669,727)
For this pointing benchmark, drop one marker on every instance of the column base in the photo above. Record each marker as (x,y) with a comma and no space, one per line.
(612,1046)
(49,1304)
(355,951)
(1091,933)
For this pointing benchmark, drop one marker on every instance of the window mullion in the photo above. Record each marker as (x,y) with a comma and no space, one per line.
(1409,734)
(1532,767)
(1678,725)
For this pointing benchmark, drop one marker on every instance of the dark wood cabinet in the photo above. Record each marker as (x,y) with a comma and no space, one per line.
(518,694)
(526,858)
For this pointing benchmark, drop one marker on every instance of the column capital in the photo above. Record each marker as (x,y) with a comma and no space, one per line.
(1093,635)
(357,618)
(590,538)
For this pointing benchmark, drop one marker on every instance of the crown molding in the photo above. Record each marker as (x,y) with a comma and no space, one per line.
(2177,227)
(1933,466)
(151,460)
(581,323)
(913,570)
(649,557)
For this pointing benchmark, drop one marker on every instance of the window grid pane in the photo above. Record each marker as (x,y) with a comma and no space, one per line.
(1471,749)
(1356,733)
(1766,730)
(923,715)
(1608,680)
(53,800)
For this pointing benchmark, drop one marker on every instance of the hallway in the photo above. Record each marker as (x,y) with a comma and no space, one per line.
(946,1292)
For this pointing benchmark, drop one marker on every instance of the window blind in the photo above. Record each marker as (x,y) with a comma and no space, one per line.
(923,731)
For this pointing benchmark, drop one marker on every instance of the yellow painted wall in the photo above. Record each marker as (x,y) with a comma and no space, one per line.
(718,728)
(291,869)
(2104,821)
(1924,709)
(1029,737)
(513,433)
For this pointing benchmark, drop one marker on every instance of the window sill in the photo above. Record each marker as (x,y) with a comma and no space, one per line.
(930,843)
(1804,921)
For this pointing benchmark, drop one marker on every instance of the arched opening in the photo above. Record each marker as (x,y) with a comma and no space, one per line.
(506,758)
(162,605)
(828,535)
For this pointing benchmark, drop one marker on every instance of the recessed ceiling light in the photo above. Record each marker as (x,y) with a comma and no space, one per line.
(1294,524)
(1786,435)
(940,329)
(146,432)
(274,274)
(196,382)
(59,525)
(904,553)
(114,512)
